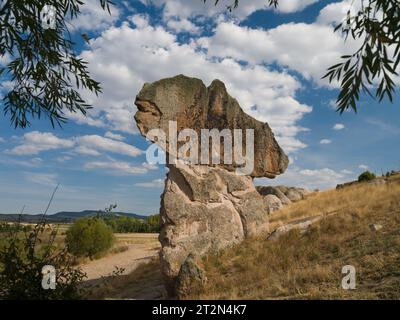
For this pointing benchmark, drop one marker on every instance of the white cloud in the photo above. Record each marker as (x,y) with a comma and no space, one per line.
(322,179)
(86,151)
(335,13)
(124,58)
(363,166)
(306,48)
(116,167)
(149,166)
(332,104)
(31,163)
(63,159)
(35,142)
(186,9)
(114,136)
(338,126)
(5,59)
(47,179)
(157,183)
(345,171)
(325,141)
(93,18)
(96,142)
(288,6)
(182,25)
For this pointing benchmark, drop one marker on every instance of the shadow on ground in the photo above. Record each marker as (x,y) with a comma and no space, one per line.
(144,283)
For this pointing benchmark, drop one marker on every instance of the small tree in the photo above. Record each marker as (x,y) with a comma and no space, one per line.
(89,237)
(366,176)
(24,253)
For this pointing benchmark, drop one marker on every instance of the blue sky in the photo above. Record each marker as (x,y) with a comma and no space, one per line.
(271,61)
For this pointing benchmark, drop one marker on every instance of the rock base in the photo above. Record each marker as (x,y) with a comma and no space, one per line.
(203,210)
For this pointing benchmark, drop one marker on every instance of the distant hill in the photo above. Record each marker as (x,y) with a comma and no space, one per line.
(63,216)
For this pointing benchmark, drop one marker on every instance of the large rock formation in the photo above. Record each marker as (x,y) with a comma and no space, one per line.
(188,102)
(205,208)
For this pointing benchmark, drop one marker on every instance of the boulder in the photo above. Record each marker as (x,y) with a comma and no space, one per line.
(191,274)
(286,194)
(273,203)
(294,195)
(267,190)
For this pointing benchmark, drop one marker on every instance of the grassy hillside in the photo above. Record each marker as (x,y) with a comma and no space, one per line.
(309,265)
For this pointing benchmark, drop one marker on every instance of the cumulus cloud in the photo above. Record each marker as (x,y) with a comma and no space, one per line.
(93,18)
(113,167)
(35,142)
(114,136)
(363,166)
(182,25)
(96,142)
(338,126)
(125,57)
(325,141)
(186,9)
(157,183)
(306,48)
(335,13)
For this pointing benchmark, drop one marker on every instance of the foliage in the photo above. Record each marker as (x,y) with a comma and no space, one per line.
(22,257)
(6,227)
(377,24)
(366,176)
(89,237)
(44,72)
(127,224)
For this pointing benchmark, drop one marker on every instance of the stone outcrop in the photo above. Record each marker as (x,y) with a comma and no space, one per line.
(205,208)
(280,196)
(273,203)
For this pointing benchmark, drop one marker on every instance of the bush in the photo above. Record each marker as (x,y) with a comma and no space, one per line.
(366,176)
(22,258)
(131,225)
(89,237)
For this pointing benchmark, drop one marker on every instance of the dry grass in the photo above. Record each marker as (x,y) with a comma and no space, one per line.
(309,265)
(357,198)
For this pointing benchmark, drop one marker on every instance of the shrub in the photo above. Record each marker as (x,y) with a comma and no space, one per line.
(366,176)
(129,225)
(89,237)
(22,258)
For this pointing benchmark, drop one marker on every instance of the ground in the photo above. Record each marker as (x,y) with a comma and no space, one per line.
(136,256)
(300,265)
(136,248)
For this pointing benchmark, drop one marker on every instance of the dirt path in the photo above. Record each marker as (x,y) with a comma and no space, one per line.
(141,248)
